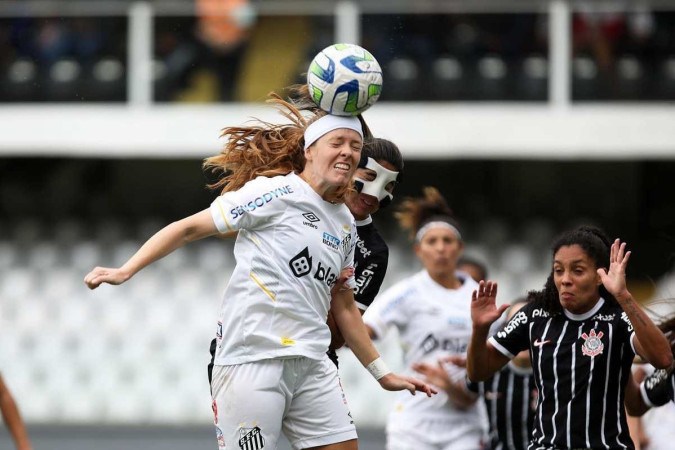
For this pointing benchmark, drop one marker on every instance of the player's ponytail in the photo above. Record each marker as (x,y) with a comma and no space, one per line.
(414,213)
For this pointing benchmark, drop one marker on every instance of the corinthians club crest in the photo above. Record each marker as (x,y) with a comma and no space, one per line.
(592,343)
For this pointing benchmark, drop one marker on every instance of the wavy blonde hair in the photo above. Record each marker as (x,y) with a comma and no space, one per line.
(415,212)
(264,149)
(268,149)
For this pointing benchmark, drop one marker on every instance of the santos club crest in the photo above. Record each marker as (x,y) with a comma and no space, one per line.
(592,343)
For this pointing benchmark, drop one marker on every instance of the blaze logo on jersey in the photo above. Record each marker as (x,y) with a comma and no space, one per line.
(593,345)
(301,264)
(251,438)
(452,345)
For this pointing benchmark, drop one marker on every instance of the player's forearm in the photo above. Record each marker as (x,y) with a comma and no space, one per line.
(168,239)
(477,357)
(10,414)
(653,343)
(461,397)
(350,323)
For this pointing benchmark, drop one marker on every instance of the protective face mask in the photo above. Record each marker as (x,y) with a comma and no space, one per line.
(376,188)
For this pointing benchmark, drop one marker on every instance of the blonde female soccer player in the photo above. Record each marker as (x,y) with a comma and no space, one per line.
(271,371)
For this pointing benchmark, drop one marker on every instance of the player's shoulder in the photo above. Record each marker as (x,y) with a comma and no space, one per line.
(534,311)
(371,237)
(289,182)
(609,312)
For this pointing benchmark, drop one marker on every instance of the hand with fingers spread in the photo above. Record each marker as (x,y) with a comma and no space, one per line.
(454,385)
(614,279)
(455,360)
(102,275)
(484,310)
(394,382)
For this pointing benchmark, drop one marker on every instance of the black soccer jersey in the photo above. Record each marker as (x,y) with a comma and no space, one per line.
(370,262)
(510,397)
(581,365)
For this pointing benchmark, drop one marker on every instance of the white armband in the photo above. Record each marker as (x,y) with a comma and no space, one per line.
(378,368)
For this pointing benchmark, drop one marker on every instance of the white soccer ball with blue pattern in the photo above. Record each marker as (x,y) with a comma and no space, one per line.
(344,79)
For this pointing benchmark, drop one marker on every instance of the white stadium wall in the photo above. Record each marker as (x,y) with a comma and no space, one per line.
(422,131)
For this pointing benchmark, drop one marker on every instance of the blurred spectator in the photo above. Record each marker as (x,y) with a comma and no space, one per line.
(604,33)
(222,32)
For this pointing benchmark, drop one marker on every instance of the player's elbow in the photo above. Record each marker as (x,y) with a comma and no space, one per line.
(663,360)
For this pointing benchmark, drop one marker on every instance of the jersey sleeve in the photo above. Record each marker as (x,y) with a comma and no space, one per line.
(513,337)
(255,205)
(369,277)
(389,309)
(626,329)
(657,388)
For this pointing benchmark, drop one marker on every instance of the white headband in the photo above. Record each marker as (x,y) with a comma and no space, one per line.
(329,123)
(438,224)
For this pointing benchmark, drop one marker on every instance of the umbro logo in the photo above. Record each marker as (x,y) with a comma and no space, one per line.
(310,219)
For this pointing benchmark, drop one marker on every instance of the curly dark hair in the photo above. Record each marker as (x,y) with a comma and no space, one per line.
(595,244)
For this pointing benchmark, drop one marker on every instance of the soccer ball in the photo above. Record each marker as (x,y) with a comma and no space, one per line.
(344,79)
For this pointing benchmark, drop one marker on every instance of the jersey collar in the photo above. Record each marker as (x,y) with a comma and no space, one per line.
(585,315)
(366,221)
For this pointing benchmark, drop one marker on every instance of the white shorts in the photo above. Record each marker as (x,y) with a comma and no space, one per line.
(254,402)
(433,435)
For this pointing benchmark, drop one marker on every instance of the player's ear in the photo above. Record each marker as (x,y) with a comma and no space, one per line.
(308,153)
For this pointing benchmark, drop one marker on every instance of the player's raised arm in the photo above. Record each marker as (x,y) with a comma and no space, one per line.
(165,241)
(482,358)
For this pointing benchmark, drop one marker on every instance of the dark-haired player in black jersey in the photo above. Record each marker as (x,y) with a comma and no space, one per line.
(583,330)
(378,172)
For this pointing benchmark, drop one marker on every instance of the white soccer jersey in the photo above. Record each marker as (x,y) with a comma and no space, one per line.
(432,322)
(290,250)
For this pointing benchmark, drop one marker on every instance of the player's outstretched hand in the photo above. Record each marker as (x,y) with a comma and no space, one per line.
(394,382)
(434,374)
(614,279)
(484,310)
(104,275)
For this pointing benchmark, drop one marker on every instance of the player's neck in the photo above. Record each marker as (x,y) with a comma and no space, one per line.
(447,280)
